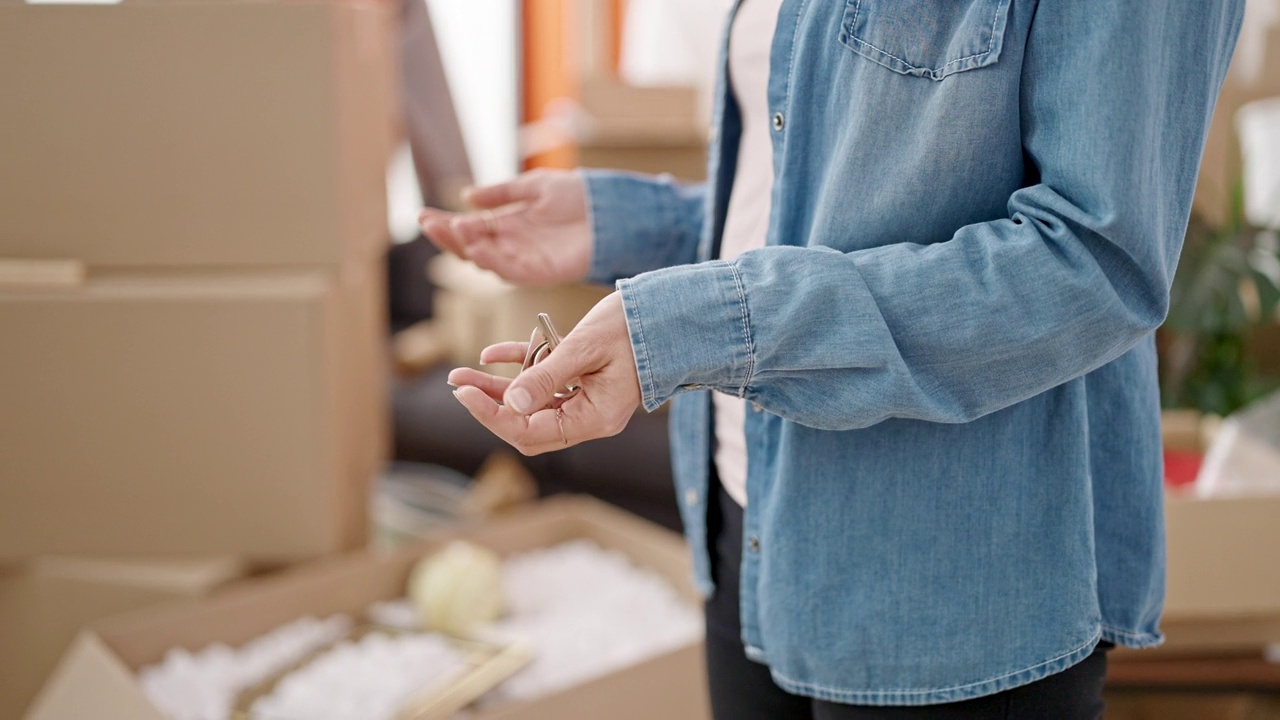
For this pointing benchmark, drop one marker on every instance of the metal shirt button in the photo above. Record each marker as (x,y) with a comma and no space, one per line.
(779,121)
(754,543)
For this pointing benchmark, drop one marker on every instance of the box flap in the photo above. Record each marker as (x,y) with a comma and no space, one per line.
(181,577)
(55,273)
(91,683)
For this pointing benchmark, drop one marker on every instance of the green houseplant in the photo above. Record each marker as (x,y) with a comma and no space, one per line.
(1227,283)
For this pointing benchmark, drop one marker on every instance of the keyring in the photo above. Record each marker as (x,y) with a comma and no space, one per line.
(544,340)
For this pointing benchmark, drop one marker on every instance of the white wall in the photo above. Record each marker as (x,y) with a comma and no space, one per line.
(479,42)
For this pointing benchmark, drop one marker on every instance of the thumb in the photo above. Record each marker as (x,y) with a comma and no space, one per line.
(535,388)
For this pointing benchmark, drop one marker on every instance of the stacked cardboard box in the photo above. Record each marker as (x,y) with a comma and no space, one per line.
(211,384)
(191,289)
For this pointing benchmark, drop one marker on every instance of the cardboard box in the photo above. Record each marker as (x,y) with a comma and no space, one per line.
(643,129)
(97,677)
(1223,583)
(684,160)
(44,605)
(192,414)
(196,132)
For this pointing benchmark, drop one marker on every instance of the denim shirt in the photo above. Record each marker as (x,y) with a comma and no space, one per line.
(954,461)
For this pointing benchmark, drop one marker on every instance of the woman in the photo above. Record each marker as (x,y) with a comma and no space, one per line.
(907,333)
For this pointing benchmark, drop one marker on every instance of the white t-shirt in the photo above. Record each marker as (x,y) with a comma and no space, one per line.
(747,222)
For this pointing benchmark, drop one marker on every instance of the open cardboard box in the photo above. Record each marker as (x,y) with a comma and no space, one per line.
(97,677)
(1223,587)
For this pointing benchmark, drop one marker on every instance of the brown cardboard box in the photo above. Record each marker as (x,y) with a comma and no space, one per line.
(191,414)
(643,129)
(97,677)
(44,605)
(1223,592)
(684,159)
(1223,586)
(195,132)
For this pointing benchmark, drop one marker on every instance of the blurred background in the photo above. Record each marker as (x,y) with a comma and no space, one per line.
(227,341)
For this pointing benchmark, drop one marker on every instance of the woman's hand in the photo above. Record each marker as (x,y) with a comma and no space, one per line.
(597,355)
(530,231)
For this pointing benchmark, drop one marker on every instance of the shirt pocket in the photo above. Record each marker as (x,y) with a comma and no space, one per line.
(926,38)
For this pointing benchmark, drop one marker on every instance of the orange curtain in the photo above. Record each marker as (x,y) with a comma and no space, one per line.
(550,64)
(549,70)
(615,47)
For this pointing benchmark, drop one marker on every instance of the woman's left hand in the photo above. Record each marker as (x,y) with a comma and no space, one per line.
(597,356)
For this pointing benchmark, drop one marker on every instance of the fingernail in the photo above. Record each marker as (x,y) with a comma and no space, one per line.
(456,396)
(519,400)
(451,383)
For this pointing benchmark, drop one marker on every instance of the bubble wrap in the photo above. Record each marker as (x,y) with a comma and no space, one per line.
(204,685)
(588,612)
(366,680)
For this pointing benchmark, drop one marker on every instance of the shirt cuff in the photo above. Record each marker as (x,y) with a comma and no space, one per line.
(690,329)
(635,224)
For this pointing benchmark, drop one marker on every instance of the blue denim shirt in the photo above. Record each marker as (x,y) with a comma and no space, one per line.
(954,465)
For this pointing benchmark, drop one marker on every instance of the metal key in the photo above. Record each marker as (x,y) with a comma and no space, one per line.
(544,340)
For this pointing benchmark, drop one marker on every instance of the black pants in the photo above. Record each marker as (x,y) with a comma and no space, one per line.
(743,690)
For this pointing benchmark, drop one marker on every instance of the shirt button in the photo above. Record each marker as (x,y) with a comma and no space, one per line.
(691,496)
(754,543)
(779,121)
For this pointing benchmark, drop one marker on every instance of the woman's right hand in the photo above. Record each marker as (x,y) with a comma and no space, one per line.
(532,230)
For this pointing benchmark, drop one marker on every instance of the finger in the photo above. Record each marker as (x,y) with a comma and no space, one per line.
(491,385)
(435,225)
(468,229)
(577,423)
(475,226)
(514,428)
(523,188)
(505,352)
(535,387)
